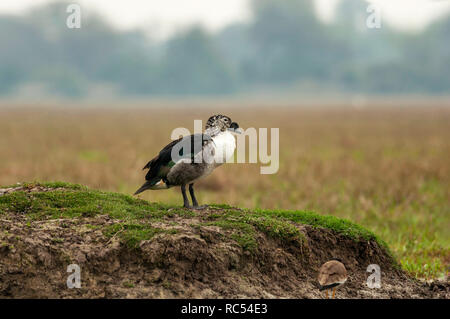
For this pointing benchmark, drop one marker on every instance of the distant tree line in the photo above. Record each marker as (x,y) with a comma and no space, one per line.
(283,47)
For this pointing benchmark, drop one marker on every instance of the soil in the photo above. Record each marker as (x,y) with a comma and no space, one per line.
(195,262)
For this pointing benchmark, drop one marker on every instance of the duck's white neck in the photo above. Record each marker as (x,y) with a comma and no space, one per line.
(213,131)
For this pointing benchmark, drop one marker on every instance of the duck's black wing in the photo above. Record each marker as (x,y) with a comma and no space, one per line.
(163,162)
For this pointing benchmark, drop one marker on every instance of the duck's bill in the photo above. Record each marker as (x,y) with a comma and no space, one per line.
(236,130)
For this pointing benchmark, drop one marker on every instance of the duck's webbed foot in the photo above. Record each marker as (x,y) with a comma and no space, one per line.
(200,207)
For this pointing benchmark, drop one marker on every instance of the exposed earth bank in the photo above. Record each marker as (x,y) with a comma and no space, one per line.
(129,248)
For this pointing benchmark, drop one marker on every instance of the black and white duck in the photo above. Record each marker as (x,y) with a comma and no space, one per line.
(184,161)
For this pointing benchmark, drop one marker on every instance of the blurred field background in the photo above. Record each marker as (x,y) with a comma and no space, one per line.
(363,112)
(283,48)
(385,165)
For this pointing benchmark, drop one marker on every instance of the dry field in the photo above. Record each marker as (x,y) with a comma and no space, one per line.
(386,167)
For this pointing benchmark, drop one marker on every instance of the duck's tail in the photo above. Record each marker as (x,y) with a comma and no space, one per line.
(144,187)
(157,183)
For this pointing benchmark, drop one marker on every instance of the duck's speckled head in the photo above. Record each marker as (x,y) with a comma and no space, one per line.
(221,123)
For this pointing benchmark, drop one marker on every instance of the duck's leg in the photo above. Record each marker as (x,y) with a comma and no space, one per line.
(185,198)
(334,292)
(194,200)
(191,191)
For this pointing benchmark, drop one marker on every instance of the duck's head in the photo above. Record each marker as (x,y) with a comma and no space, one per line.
(222,123)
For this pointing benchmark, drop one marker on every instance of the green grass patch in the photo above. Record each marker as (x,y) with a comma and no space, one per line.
(132,234)
(128,284)
(243,233)
(79,201)
(278,223)
(30,185)
(136,215)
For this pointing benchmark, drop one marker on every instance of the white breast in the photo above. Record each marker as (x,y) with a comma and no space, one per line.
(224,146)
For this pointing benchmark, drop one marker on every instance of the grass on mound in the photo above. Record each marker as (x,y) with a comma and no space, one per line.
(65,200)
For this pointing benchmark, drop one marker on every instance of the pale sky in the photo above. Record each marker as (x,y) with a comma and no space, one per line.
(166,16)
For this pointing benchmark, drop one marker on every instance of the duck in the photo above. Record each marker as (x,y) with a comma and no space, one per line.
(186,160)
(331,275)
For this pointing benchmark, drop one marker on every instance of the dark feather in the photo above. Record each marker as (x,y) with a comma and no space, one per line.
(144,187)
(161,164)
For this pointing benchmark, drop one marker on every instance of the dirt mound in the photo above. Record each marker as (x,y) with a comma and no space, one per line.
(154,251)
